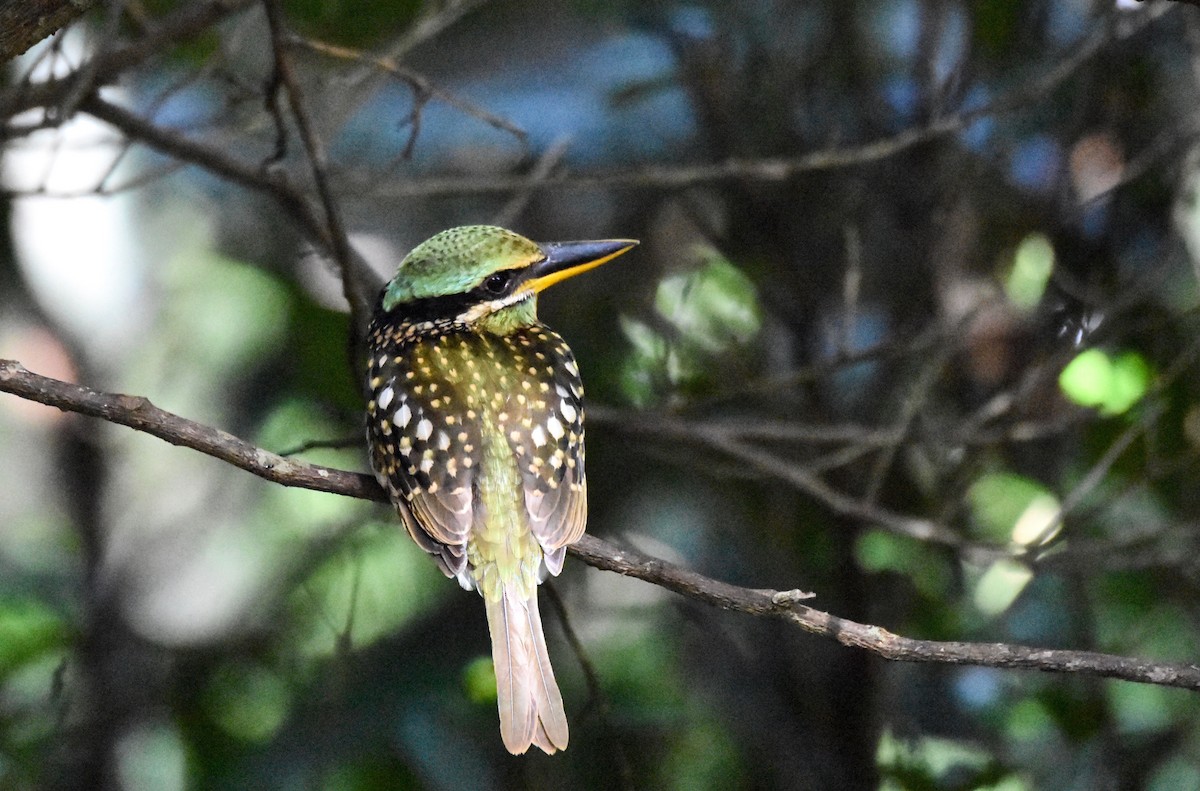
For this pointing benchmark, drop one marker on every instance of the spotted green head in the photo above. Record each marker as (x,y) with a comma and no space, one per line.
(484,273)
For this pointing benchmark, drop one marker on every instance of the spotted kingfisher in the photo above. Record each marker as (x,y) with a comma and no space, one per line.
(475,429)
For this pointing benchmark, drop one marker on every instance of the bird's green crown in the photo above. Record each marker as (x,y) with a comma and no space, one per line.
(484,273)
(456,261)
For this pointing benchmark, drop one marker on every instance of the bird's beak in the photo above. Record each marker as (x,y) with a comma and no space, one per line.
(567,259)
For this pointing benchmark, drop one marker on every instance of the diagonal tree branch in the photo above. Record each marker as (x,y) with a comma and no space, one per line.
(138,413)
(363,282)
(183,24)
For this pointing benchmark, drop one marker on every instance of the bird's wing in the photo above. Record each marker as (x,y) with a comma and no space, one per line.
(420,453)
(548,441)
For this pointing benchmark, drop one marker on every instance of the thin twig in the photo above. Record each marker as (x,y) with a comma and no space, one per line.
(545,165)
(322,444)
(595,688)
(245,174)
(421,85)
(777,169)
(187,22)
(358,288)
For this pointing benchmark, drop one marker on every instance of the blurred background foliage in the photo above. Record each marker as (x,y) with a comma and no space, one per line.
(989,328)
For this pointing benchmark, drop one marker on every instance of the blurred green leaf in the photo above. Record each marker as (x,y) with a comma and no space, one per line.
(1027,720)
(352,22)
(1095,379)
(226,313)
(999,500)
(1131,377)
(151,757)
(709,314)
(1000,585)
(1031,267)
(877,550)
(376,583)
(247,701)
(479,680)
(28,629)
(1176,773)
(929,762)
(713,308)
(995,24)
(644,370)
(1139,707)
(702,756)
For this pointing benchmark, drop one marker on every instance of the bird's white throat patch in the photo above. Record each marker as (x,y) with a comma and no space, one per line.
(481,309)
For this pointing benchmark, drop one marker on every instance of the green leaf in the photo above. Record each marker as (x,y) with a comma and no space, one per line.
(878,551)
(714,307)
(1000,501)
(28,629)
(1094,379)
(1032,264)
(479,680)
(1000,585)
(248,701)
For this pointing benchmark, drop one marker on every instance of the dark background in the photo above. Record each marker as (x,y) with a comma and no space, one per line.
(912,326)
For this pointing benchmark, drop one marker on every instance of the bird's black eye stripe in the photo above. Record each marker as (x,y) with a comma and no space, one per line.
(498,283)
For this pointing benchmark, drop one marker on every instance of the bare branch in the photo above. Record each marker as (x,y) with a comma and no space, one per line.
(361,277)
(422,87)
(187,22)
(138,413)
(784,604)
(779,169)
(359,285)
(24,23)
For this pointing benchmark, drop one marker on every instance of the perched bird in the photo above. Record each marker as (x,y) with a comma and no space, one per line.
(475,427)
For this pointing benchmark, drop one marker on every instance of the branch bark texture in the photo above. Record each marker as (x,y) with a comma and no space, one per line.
(24,23)
(138,413)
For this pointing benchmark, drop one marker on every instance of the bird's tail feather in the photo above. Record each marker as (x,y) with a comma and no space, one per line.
(531,707)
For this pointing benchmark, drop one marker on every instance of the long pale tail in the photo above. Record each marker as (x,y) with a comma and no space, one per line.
(531,707)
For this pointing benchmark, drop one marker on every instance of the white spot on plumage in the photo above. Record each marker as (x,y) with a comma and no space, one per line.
(403,415)
(555,427)
(443,441)
(538,436)
(426,465)
(568,411)
(424,429)
(385,397)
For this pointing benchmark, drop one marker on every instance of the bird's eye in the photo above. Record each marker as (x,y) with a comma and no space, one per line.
(497,283)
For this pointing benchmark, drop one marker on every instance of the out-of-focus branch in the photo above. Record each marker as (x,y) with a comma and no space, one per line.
(1185,2)
(423,88)
(779,169)
(733,439)
(185,23)
(246,174)
(24,23)
(140,414)
(359,285)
